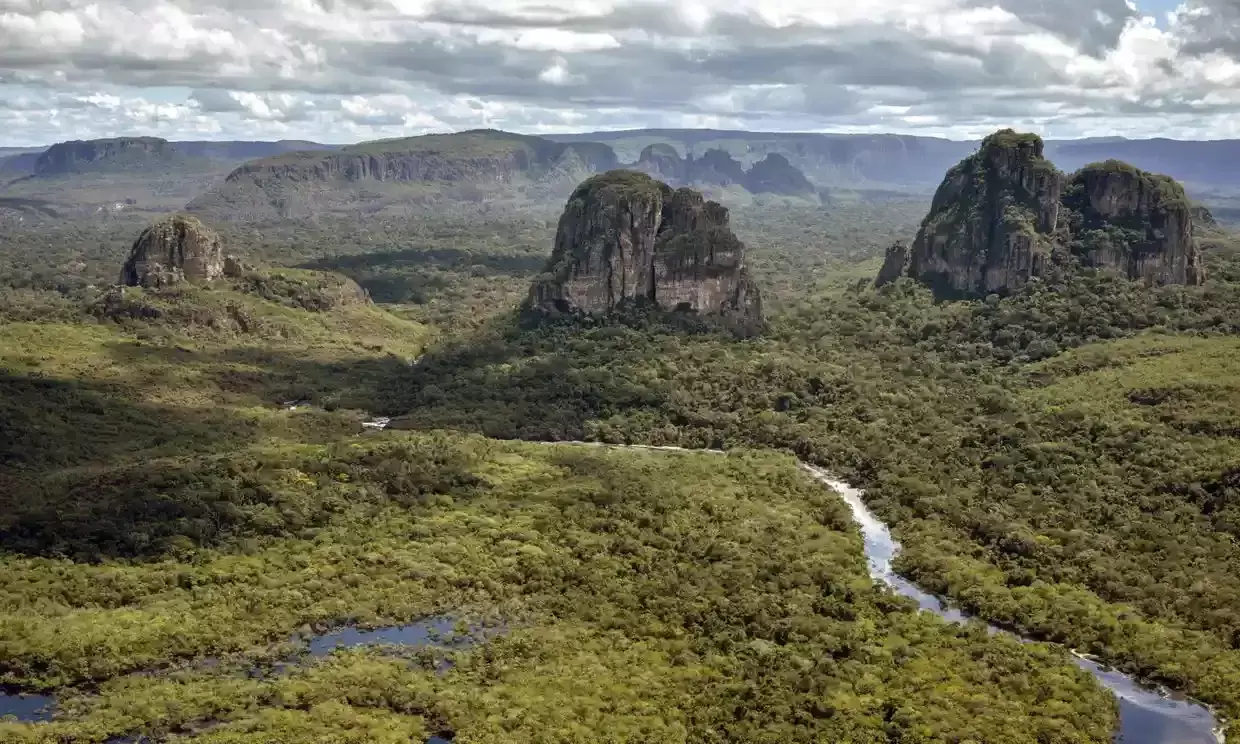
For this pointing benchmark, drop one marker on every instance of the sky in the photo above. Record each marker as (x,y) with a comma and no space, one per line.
(351,70)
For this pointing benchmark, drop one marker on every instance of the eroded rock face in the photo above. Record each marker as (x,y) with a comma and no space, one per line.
(895,264)
(174,249)
(78,155)
(990,224)
(716,167)
(626,239)
(663,162)
(1133,223)
(1003,215)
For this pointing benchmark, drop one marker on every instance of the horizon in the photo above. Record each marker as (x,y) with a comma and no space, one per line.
(610,132)
(351,71)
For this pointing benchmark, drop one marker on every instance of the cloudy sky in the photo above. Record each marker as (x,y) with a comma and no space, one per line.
(347,70)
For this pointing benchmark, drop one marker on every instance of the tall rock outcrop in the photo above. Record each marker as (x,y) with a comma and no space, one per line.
(774,174)
(174,249)
(895,264)
(717,167)
(663,162)
(626,239)
(1005,215)
(1134,223)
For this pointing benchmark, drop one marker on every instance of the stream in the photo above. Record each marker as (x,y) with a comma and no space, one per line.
(1146,716)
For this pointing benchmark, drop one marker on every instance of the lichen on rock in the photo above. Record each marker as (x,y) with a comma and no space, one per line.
(627,240)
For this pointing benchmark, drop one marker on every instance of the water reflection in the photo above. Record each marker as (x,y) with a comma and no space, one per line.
(1145,716)
(27,707)
(434,632)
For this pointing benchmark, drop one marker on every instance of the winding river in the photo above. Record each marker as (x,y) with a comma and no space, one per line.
(1147,716)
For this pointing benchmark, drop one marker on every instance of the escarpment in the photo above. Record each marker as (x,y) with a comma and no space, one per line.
(628,240)
(716,167)
(1005,215)
(118,153)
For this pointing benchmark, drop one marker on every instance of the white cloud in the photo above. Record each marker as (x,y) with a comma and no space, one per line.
(338,70)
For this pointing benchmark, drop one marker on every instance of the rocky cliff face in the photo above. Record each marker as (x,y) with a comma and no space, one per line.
(895,264)
(1133,223)
(373,176)
(626,240)
(88,155)
(1003,214)
(663,162)
(716,167)
(172,250)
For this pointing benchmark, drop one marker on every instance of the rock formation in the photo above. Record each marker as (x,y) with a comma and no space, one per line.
(627,240)
(1136,224)
(776,175)
(1004,214)
(102,154)
(663,162)
(371,176)
(1203,218)
(894,265)
(174,249)
(717,167)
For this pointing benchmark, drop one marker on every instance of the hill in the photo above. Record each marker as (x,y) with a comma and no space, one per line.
(149,174)
(827,159)
(399,174)
(864,160)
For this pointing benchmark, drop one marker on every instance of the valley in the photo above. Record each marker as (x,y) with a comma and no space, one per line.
(188,481)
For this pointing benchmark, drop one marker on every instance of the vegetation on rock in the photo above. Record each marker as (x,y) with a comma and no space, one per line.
(1005,216)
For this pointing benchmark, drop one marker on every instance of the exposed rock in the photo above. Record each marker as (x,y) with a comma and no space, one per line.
(627,240)
(373,176)
(234,267)
(717,167)
(776,175)
(174,249)
(1004,213)
(102,154)
(1203,217)
(990,224)
(663,162)
(1133,223)
(895,265)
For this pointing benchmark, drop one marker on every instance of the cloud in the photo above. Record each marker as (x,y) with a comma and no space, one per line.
(342,70)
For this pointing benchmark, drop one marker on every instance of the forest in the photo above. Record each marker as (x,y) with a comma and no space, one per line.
(188,484)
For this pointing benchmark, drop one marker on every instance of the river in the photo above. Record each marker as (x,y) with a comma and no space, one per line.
(1147,716)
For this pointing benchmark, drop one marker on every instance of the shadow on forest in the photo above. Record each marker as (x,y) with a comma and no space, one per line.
(48,422)
(272,377)
(414,275)
(547,383)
